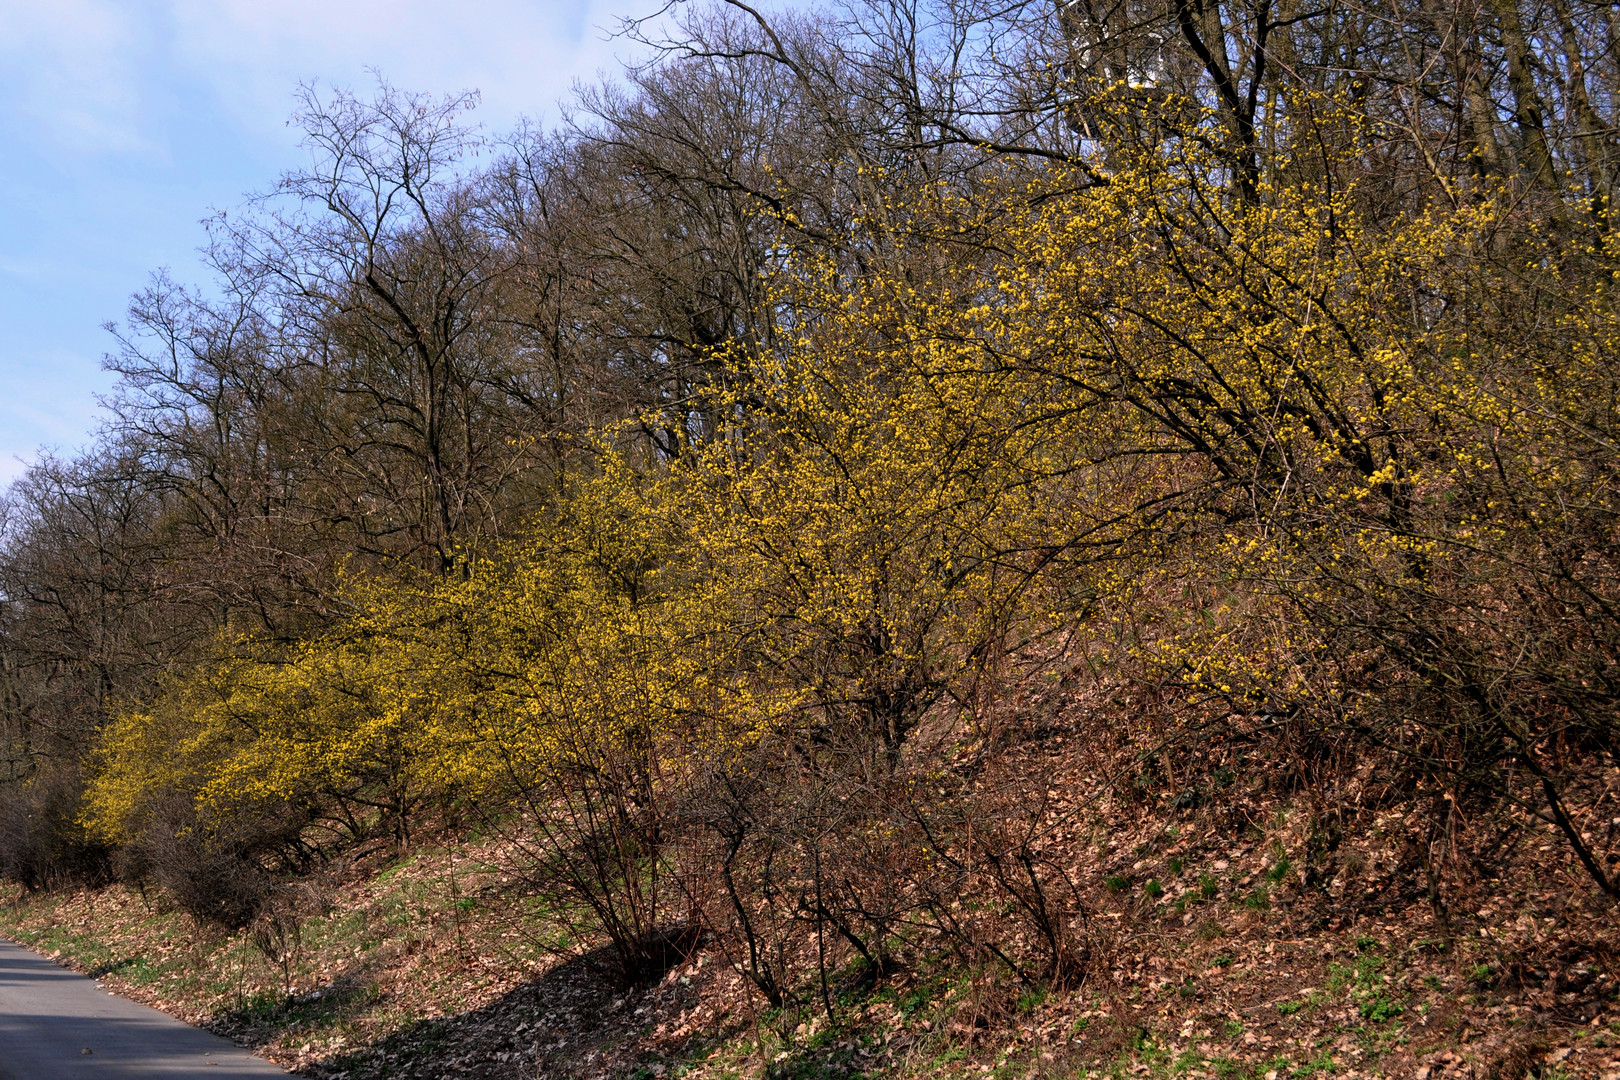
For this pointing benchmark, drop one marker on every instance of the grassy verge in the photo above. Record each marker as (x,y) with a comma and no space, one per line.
(381,948)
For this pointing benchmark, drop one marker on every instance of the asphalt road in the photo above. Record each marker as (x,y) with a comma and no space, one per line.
(55,1025)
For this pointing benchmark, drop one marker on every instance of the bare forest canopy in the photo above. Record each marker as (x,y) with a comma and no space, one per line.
(688,488)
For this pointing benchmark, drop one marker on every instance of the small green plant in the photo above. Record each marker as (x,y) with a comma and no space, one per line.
(1289,1008)
(1032,999)
(396,868)
(1482,976)
(1116,883)
(1320,1065)
(1233,1028)
(1208,886)
(1222,961)
(1175,865)
(1153,889)
(1366,983)
(1186,1062)
(912,1002)
(1279,869)
(1377,1008)
(1259,900)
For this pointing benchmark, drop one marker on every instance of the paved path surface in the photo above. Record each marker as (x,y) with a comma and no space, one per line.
(55,1025)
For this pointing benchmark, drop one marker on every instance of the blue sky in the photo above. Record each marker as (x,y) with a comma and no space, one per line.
(126,121)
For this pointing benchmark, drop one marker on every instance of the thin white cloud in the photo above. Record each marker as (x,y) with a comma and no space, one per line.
(252,53)
(29,268)
(127,119)
(38,410)
(108,75)
(73,69)
(521,55)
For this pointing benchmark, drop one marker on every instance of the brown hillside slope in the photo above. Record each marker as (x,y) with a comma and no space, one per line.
(1246,917)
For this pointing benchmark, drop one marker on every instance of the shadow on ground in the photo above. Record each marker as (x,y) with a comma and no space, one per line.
(572,1023)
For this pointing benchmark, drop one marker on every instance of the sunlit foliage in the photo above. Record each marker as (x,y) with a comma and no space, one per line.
(1286,463)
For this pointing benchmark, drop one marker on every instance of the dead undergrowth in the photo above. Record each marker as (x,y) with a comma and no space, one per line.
(1238,924)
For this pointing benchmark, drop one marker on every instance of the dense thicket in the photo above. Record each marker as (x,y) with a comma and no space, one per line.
(688,490)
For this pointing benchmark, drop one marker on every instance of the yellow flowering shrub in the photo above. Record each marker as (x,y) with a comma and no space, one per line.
(1243,447)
